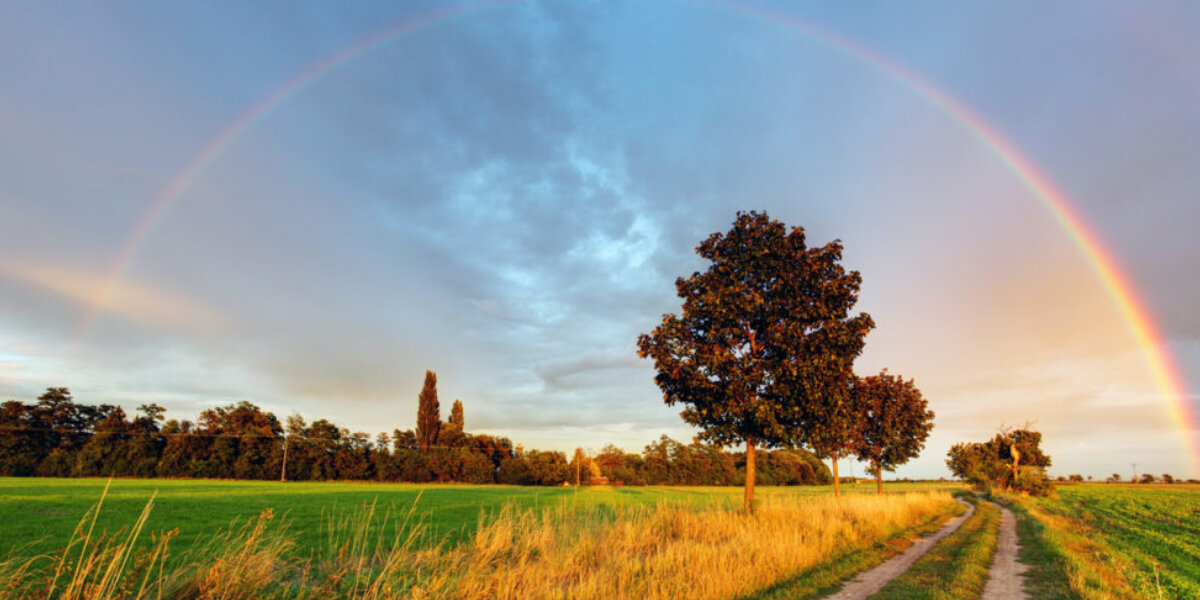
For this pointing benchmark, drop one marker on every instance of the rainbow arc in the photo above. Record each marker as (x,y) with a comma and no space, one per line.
(1138,318)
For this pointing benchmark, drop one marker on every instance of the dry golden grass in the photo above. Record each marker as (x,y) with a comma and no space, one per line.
(665,551)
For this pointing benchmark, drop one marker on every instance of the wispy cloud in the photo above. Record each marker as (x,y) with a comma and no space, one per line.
(139,303)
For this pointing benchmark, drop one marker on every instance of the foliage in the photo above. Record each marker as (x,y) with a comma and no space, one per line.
(764,344)
(241,441)
(894,422)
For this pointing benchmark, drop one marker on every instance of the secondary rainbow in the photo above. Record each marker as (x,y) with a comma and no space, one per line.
(1141,324)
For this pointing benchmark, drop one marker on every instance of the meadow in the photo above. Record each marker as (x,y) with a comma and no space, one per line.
(381,540)
(244,539)
(37,514)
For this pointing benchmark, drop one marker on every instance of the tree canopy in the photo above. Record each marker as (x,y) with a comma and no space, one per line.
(243,441)
(893,422)
(763,348)
(1012,459)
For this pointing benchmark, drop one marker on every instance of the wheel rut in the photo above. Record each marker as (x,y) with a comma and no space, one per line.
(871,581)
(1005,577)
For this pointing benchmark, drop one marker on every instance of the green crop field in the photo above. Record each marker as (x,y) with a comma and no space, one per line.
(38,515)
(1107,537)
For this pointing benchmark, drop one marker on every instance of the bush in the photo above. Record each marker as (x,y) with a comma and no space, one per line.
(514,471)
(1032,481)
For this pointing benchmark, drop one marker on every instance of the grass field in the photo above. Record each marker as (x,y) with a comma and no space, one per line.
(1113,541)
(37,515)
(470,541)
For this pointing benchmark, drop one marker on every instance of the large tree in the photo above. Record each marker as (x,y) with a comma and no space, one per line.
(1012,459)
(894,422)
(764,340)
(429,414)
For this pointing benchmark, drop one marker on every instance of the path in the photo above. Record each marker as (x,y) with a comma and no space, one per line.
(1005,580)
(869,582)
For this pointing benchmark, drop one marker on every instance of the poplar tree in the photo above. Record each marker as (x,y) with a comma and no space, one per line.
(429,414)
(456,414)
(764,337)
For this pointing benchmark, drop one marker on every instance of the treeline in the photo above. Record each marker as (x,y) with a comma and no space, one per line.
(668,462)
(58,437)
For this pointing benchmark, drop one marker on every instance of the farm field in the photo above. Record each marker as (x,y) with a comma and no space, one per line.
(1114,541)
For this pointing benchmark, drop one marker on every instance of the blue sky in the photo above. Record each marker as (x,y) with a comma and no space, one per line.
(506,196)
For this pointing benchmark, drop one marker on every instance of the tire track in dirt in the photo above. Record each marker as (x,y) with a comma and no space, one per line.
(871,581)
(1005,579)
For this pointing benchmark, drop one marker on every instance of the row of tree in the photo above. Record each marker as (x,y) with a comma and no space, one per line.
(762,354)
(1145,478)
(58,437)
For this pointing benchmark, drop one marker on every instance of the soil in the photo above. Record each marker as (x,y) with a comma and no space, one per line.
(1005,580)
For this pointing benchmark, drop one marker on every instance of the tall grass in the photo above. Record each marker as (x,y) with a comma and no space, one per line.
(662,551)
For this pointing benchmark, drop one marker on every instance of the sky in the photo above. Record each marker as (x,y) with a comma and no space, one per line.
(308,204)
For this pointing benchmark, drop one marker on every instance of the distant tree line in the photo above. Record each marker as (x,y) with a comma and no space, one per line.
(59,437)
(669,462)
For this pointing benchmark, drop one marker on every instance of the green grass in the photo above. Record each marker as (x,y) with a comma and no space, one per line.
(1047,576)
(1114,541)
(957,567)
(37,515)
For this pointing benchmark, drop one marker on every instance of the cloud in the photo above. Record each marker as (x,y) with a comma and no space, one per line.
(139,303)
(507,198)
(567,374)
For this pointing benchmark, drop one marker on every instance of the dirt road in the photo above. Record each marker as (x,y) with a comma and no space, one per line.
(1005,580)
(869,582)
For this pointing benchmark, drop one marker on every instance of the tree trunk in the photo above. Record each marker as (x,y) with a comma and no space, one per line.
(283,469)
(748,504)
(878,480)
(1016,456)
(837,482)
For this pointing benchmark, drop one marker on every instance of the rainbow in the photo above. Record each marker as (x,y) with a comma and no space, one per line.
(1138,318)
(210,152)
